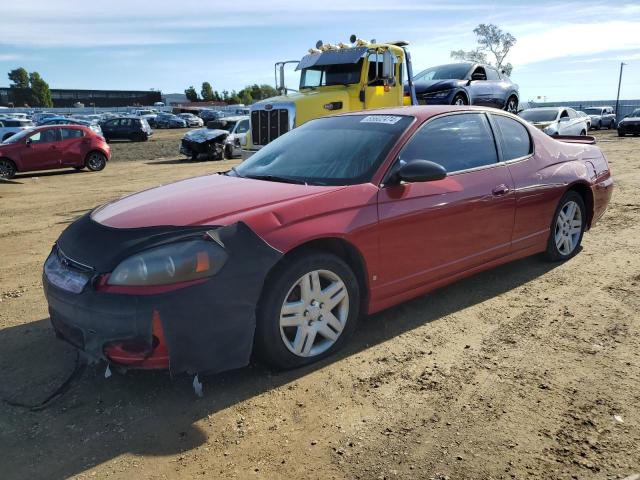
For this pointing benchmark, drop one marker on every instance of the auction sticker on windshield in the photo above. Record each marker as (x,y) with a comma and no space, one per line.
(388,119)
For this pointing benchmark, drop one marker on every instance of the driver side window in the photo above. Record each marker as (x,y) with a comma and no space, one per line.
(44,136)
(457,142)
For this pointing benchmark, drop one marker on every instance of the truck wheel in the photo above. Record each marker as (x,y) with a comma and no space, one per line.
(228,152)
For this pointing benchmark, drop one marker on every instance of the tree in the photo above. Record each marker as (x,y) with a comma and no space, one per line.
(244,96)
(490,38)
(40,93)
(207,92)
(19,78)
(191,94)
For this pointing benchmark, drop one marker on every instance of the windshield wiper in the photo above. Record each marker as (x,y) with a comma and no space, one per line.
(276,178)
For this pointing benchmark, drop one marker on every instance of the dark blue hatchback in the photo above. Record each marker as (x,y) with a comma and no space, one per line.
(466,84)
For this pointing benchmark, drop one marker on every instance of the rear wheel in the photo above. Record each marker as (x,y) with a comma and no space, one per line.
(95,161)
(7,168)
(599,125)
(460,99)
(308,310)
(228,152)
(567,227)
(583,133)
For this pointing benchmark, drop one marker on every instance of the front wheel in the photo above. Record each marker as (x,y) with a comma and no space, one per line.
(599,125)
(7,169)
(512,105)
(96,161)
(460,100)
(583,133)
(309,308)
(567,228)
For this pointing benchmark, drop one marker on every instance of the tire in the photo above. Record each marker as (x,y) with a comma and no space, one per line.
(7,169)
(565,233)
(512,105)
(599,125)
(621,133)
(139,137)
(277,344)
(95,161)
(583,133)
(612,125)
(460,99)
(228,152)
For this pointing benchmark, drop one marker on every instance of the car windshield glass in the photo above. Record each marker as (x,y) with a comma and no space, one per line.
(444,72)
(329,151)
(343,74)
(539,115)
(636,113)
(593,111)
(18,136)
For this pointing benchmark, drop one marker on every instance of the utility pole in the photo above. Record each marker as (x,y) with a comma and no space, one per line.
(622,64)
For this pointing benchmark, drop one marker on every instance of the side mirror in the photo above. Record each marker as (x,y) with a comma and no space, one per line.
(564,119)
(28,142)
(420,171)
(387,65)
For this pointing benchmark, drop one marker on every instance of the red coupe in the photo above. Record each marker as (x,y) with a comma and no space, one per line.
(56,146)
(343,216)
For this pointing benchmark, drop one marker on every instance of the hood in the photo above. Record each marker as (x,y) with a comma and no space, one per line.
(310,104)
(428,86)
(202,135)
(206,200)
(543,125)
(626,119)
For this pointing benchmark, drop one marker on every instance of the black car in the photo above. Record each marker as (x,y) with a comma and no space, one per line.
(466,84)
(630,124)
(127,128)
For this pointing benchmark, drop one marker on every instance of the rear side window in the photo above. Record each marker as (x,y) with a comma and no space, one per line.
(492,74)
(69,133)
(514,138)
(457,142)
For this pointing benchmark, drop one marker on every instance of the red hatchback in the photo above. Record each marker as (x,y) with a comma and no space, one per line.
(50,147)
(344,215)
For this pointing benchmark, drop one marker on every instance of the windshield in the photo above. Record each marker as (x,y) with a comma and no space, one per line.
(18,136)
(343,74)
(342,150)
(593,111)
(145,112)
(539,115)
(455,71)
(636,113)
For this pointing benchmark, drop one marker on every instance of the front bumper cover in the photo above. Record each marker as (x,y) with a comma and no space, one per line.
(208,326)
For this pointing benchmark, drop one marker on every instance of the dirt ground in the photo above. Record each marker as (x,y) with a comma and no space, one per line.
(530,370)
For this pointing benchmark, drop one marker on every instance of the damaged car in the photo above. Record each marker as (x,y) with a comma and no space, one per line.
(211,143)
(343,216)
(205,144)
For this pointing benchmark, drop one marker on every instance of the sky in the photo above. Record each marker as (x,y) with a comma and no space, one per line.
(565,50)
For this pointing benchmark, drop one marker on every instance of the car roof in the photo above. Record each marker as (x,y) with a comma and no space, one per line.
(545,108)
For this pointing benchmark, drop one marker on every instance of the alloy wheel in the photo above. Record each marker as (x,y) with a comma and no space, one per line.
(6,169)
(568,228)
(95,161)
(314,313)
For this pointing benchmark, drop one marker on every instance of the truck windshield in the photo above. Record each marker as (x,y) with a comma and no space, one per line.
(342,74)
(344,150)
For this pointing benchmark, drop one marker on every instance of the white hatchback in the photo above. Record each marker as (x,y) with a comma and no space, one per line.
(556,120)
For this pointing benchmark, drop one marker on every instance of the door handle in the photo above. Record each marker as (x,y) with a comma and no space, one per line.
(500,190)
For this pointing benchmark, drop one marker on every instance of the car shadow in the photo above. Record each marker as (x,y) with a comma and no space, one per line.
(11,182)
(50,173)
(147,413)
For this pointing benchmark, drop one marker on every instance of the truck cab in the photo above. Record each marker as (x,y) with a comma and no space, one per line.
(334,79)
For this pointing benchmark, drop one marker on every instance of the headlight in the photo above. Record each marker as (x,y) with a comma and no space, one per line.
(440,94)
(173,263)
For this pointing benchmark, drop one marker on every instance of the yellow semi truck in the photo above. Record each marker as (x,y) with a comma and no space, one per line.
(335,79)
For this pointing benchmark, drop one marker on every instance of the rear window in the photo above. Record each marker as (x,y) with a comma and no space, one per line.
(514,138)
(69,133)
(539,115)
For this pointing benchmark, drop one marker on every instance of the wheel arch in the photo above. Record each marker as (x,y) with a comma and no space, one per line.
(584,190)
(341,248)
(463,91)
